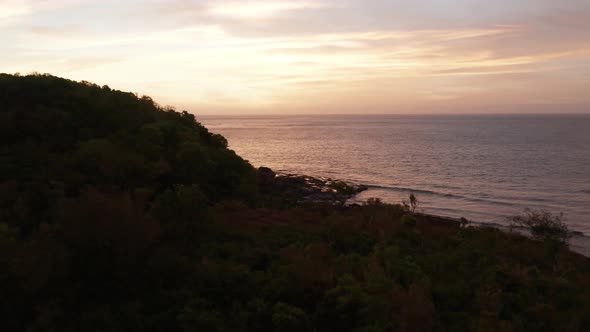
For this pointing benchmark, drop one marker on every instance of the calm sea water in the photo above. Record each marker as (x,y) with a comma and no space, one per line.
(481,167)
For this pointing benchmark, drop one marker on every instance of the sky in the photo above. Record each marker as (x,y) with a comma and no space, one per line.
(313,56)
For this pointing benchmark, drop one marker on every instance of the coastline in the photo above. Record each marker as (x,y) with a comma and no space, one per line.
(578,241)
(312,189)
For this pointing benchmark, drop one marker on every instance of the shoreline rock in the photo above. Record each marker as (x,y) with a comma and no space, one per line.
(305,188)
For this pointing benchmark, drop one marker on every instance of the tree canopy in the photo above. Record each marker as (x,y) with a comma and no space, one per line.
(117,214)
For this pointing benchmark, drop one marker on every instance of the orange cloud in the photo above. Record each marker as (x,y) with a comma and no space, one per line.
(310,55)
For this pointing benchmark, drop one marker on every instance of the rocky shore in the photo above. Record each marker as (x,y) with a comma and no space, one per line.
(304,188)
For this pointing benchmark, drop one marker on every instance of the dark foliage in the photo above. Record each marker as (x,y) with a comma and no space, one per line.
(542,224)
(120,215)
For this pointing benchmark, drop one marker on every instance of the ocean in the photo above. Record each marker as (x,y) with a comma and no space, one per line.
(482,167)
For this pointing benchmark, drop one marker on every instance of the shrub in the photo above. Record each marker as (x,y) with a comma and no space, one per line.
(464,222)
(413,202)
(409,221)
(108,225)
(542,224)
(181,204)
(412,205)
(288,318)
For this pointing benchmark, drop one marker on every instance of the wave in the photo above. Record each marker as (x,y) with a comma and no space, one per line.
(446,195)
(480,200)
(417,191)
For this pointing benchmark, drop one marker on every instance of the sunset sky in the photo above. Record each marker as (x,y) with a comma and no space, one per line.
(313,56)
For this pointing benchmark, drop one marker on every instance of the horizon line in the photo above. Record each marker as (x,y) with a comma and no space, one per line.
(388,114)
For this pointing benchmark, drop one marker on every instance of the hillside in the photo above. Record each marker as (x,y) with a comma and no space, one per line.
(117,214)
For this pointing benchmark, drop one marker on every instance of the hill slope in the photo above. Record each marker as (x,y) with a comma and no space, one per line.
(79,136)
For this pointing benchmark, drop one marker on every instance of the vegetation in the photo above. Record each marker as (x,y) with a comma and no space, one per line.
(119,215)
(411,205)
(464,222)
(542,225)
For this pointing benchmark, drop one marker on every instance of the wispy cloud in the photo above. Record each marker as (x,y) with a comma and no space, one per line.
(257,9)
(309,55)
(11,8)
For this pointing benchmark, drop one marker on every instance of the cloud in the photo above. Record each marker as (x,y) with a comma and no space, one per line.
(296,54)
(257,9)
(56,31)
(13,8)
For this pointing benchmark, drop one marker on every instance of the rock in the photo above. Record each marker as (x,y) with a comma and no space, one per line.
(302,188)
(361,188)
(265,171)
(266,176)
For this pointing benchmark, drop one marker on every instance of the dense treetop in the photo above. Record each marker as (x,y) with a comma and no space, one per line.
(64,137)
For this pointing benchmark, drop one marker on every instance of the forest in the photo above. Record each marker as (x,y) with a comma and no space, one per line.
(118,214)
